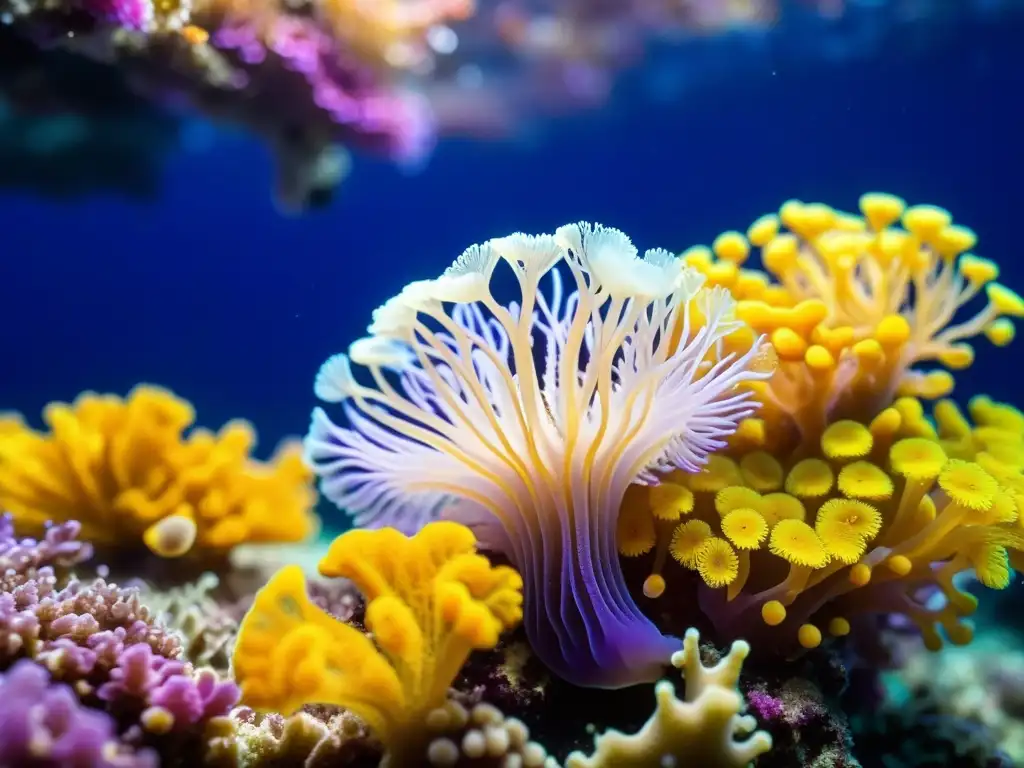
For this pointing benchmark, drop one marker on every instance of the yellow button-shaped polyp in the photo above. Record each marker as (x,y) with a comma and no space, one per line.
(763,230)
(860,575)
(1005,301)
(789,344)
(957,357)
(654,586)
(1001,332)
(780,253)
(881,209)
(818,358)
(839,627)
(926,221)
(892,331)
(977,269)
(809,636)
(954,240)
(869,352)
(773,612)
(900,565)
(697,256)
(731,246)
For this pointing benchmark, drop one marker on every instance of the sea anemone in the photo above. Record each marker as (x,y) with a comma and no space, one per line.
(528,422)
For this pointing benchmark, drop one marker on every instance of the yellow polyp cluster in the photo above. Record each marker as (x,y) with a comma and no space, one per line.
(431,600)
(876,514)
(852,302)
(132,472)
(848,492)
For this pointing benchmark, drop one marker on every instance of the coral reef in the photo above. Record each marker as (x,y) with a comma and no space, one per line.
(129,472)
(975,691)
(771,432)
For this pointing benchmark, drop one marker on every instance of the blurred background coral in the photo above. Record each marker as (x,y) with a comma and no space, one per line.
(143,243)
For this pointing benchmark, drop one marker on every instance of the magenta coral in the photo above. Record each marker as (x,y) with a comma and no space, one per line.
(367,111)
(43,725)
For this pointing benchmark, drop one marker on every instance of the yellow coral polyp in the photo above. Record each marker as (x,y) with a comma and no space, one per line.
(687,540)
(968,485)
(846,440)
(864,480)
(431,601)
(917,458)
(796,542)
(745,528)
(133,472)
(810,478)
(716,562)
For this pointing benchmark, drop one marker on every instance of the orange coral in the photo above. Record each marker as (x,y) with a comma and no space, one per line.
(431,600)
(129,472)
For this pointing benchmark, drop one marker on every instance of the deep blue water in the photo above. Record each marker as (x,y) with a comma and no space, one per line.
(214,295)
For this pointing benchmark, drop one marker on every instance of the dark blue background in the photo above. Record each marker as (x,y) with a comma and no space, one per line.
(213,294)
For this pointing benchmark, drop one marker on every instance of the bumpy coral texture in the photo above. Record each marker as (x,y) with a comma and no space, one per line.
(706,729)
(132,472)
(98,638)
(43,725)
(431,600)
(845,495)
(529,421)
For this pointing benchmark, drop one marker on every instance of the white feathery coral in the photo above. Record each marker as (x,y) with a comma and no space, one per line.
(537,416)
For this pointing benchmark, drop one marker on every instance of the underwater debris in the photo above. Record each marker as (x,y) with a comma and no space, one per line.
(641,371)
(843,496)
(131,471)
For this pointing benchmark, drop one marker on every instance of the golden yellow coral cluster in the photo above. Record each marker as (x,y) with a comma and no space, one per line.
(431,600)
(844,495)
(130,470)
(705,730)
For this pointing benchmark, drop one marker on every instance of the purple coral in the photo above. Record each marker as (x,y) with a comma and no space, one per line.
(44,725)
(100,638)
(59,547)
(155,681)
(367,112)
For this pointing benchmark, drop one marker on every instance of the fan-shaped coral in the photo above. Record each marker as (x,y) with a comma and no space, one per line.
(529,422)
(130,473)
(867,503)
